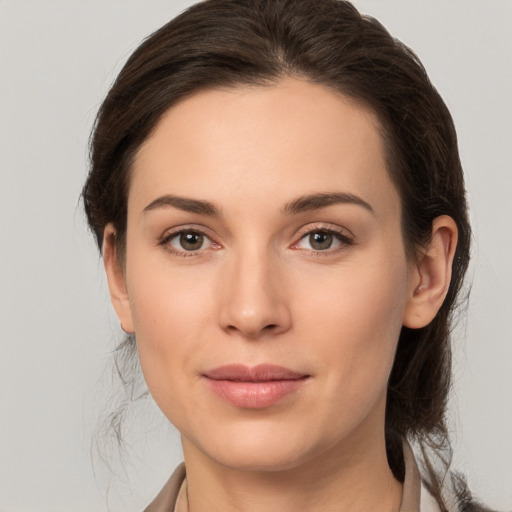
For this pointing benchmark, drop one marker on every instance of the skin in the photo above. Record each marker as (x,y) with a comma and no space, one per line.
(257,292)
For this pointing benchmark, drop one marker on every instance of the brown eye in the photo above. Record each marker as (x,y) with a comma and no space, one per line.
(323,240)
(191,241)
(188,241)
(320,240)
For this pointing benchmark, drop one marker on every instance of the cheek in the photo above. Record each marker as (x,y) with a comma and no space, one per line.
(355,316)
(369,294)
(170,312)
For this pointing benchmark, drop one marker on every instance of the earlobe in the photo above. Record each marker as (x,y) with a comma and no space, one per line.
(431,275)
(116,280)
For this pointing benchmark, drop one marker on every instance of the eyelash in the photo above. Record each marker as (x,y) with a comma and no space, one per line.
(165,242)
(344,239)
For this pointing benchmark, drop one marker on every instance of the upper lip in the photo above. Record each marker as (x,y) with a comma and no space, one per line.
(259,373)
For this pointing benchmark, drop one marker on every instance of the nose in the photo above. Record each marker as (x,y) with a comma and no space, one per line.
(254,298)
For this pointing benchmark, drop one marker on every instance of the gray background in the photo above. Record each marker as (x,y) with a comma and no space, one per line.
(57,59)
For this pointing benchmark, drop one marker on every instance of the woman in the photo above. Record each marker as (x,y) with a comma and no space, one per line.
(277,194)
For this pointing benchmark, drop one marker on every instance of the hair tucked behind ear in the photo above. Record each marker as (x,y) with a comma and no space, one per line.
(220,43)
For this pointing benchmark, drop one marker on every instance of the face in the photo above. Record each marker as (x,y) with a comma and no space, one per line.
(265,273)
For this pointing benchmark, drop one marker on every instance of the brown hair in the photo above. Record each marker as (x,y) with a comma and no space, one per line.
(219,43)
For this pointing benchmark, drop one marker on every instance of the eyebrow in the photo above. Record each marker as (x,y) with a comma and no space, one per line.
(317,201)
(299,205)
(184,203)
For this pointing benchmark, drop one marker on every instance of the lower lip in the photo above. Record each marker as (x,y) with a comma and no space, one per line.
(255,395)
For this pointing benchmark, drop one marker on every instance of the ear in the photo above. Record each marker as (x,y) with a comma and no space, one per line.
(431,275)
(116,280)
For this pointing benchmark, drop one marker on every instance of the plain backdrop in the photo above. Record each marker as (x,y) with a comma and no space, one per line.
(57,59)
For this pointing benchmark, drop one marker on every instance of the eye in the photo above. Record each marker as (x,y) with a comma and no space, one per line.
(323,240)
(188,241)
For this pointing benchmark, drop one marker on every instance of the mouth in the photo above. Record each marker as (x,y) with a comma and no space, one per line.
(254,387)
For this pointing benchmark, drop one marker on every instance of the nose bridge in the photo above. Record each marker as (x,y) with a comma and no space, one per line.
(254,302)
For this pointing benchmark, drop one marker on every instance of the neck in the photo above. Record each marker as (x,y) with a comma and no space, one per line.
(354,476)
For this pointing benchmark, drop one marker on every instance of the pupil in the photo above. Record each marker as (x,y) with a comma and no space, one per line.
(191,241)
(320,241)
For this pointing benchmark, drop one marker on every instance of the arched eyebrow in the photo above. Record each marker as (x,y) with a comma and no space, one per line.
(186,204)
(299,205)
(317,201)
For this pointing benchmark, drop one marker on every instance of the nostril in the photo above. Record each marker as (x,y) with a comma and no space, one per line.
(256,332)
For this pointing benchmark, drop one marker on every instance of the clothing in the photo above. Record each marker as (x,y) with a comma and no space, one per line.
(415,497)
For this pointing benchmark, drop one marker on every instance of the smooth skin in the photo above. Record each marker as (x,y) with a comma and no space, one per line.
(254,274)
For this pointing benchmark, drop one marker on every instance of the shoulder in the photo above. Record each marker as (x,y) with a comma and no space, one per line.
(166,499)
(455,494)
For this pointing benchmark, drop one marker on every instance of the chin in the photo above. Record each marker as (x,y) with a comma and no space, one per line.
(263,447)
(264,460)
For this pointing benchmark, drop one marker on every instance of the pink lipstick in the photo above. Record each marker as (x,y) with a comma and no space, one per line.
(254,387)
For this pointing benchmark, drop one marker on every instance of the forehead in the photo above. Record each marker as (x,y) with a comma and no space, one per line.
(292,138)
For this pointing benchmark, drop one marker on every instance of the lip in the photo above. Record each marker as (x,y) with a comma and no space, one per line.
(254,387)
